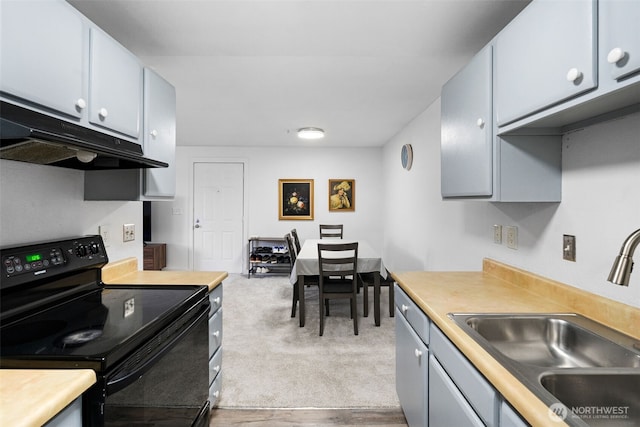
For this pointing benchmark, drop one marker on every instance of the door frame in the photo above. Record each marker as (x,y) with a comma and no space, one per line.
(191,200)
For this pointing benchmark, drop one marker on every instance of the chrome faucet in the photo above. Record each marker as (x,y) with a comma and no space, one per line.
(623,265)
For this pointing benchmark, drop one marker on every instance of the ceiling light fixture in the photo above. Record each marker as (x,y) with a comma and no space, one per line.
(310,133)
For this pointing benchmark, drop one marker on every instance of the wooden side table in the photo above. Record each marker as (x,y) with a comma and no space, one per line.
(154,256)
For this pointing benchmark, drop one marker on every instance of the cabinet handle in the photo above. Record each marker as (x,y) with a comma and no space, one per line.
(103,113)
(573,75)
(404,308)
(615,55)
(216,300)
(480,123)
(216,334)
(216,368)
(216,394)
(153,133)
(81,104)
(418,353)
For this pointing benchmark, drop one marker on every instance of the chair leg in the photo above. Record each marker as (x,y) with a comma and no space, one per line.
(321,314)
(294,303)
(391,299)
(365,299)
(354,310)
(326,306)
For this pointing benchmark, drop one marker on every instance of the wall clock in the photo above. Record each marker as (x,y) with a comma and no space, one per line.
(406,156)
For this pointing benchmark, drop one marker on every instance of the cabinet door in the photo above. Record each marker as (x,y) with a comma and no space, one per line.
(43,56)
(509,417)
(115,100)
(544,56)
(620,37)
(467,131)
(411,373)
(159,134)
(447,406)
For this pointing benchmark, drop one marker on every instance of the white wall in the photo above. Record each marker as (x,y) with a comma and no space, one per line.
(172,220)
(47,203)
(600,206)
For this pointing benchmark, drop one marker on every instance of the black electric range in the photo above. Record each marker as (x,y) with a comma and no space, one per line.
(57,314)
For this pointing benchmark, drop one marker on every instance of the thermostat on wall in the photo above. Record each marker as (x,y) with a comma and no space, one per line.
(406,156)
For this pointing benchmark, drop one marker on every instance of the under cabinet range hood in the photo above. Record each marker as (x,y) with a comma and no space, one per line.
(32,137)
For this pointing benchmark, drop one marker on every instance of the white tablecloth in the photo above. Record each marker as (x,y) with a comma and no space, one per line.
(307,261)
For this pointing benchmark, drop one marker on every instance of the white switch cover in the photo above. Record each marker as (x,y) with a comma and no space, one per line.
(103,230)
(128,232)
(512,237)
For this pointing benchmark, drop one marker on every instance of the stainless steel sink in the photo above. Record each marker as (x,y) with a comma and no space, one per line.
(558,341)
(599,399)
(565,359)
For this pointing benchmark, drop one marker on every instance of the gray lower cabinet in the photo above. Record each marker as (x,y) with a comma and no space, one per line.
(412,359)
(509,417)
(71,416)
(215,345)
(447,406)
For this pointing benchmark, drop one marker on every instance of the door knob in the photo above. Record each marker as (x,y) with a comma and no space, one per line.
(197,226)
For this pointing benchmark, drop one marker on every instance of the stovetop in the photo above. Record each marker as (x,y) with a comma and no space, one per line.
(95,330)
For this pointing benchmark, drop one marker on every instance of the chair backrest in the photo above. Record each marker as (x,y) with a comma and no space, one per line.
(296,241)
(331,230)
(338,260)
(292,249)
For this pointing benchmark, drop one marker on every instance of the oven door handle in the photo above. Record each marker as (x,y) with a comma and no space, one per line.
(125,377)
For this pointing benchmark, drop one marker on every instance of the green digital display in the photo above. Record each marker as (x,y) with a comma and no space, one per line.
(34,257)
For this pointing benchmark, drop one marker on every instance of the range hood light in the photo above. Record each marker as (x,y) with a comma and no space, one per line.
(85,156)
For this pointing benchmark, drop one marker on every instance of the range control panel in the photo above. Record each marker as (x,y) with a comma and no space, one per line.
(31,262)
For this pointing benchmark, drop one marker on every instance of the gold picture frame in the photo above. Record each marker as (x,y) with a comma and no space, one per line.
(342,195)
(295,199)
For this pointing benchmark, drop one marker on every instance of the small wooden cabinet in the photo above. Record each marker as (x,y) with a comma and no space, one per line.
(155,256)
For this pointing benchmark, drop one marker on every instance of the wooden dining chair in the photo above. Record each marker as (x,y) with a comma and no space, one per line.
(366,280)
(308,280)
(296,241)
(338,273)
(331,230)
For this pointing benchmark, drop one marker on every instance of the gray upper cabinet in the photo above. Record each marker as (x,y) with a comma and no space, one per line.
(467,130)
(544,56)
(115,98)
(44,56)
(159,134)
(619,39)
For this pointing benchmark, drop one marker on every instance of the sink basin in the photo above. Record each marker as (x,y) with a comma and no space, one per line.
(553,341)
(598,399)
(566,360)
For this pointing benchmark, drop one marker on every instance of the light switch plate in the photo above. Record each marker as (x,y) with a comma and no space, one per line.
(569,247)
(512,237)
(128,232)
(497,234)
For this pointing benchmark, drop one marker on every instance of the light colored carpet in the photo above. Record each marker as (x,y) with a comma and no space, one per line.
(270,362)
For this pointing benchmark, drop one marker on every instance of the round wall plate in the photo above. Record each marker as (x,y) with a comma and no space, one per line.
(406,156)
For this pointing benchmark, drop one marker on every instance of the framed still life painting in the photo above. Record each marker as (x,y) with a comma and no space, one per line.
(342,195)
(295,198)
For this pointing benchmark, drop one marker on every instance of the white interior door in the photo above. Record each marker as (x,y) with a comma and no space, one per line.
(218,210)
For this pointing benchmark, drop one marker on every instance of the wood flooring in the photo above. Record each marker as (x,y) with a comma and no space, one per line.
(392,417)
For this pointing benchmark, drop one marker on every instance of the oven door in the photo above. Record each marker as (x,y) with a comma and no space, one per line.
(165,383)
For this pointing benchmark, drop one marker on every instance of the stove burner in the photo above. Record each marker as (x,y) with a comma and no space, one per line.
(31,331)
(79,337)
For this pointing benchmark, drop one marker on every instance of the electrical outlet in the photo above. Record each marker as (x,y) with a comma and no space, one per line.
(512,237)
(569,247)
(497,234)
(103,230)
(128,232)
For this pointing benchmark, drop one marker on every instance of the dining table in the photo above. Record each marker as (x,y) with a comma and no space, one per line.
(306,264)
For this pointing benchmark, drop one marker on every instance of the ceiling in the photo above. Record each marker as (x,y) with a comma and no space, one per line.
(250,73)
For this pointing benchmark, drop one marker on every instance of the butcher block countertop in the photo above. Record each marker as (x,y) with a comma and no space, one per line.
(125,272)
(500,288)
(31,397)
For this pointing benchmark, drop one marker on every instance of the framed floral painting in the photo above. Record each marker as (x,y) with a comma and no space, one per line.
(342,195)
(295,198)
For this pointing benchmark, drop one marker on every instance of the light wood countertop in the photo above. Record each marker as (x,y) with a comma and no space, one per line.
(503,289)
(125,272)
(31,397)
